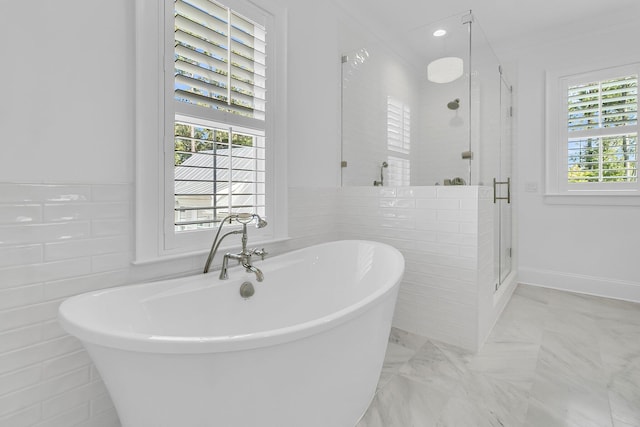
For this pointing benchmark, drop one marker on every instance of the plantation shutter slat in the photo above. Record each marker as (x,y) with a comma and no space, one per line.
(193,49)
(209,75)
(208,35)
(206,101)
(208,14)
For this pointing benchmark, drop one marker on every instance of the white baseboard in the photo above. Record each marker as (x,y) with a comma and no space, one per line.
(591,285)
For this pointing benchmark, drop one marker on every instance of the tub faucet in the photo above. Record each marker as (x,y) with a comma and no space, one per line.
(244,257)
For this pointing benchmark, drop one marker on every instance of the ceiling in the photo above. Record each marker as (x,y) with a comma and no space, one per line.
(503,21)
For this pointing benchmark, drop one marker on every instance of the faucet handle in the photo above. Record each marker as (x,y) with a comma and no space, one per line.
(260,252)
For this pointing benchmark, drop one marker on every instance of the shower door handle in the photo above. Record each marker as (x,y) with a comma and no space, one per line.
(495,190)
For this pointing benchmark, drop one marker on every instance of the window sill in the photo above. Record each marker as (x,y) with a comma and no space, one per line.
(595,199)
(221,249)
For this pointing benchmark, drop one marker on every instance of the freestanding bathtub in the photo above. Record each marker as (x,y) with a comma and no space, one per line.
(305,350)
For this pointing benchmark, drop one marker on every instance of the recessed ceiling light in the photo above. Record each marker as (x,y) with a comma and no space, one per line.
(439,33)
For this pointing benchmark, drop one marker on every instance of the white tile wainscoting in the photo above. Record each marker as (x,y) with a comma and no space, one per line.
(65,239)
(446,236)
(56,241)
(59,240)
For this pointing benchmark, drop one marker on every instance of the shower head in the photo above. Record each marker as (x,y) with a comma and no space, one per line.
(245,218)
(385,164)
(261,222)
(454,105)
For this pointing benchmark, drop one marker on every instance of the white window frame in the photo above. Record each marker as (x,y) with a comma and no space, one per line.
(557,135)
(155,237)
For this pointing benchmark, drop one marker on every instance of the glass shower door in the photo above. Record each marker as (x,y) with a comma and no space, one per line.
(503,199)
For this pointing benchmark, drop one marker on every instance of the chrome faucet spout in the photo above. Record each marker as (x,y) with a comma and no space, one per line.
(253,269)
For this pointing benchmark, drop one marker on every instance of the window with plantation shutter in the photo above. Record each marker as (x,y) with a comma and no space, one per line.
(592,139)
(602,127)
(210,123)
(219,102)
(398,142)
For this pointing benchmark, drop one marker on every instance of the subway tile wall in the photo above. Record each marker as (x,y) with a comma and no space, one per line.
(489,306)
(312,216)
(61,240)
(436,229)
(57,241)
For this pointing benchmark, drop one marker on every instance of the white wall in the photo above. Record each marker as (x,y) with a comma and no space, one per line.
(585,248)
(314,95)
(67,91)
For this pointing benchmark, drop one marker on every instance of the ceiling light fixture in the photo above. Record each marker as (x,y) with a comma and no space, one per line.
(439,33)
(445,70)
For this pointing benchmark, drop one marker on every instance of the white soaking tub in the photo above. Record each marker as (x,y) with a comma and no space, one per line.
(305,350)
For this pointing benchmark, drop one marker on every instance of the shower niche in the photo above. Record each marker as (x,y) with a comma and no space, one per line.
(426,115)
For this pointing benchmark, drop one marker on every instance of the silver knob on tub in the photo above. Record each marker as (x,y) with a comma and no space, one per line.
(260,252)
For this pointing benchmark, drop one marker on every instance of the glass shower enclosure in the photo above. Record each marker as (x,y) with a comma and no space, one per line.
(431,107)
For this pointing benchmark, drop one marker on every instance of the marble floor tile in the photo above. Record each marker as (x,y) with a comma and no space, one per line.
(401,348)
(406,339)
(486,400)
(535,293)
(431,366)
(569,387)
(554,359)
(460,411)
(395,357)
(521,319)
(508,361)
(457,356)
(403,402)
(621,361)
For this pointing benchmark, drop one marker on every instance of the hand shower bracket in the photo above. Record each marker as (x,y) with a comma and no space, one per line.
(381,182)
